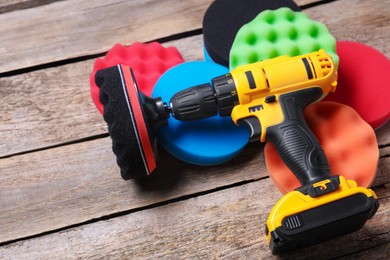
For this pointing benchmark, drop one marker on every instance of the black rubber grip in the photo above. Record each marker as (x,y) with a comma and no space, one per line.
(295,142)
(194,103)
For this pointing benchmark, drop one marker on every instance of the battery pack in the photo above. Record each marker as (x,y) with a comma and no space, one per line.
(299,220)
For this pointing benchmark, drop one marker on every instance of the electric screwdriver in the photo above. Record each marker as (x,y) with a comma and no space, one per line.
(269,97)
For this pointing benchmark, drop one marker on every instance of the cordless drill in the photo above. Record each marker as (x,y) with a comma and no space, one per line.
(269,97)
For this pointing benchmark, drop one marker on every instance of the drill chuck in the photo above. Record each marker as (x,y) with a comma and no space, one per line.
(226,94)
(205,100)
(194,103)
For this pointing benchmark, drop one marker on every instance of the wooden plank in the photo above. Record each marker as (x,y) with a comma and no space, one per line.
(52,106)
(223,224)
(357,20)
(383,173)
(383,137)
(377,252)
(306,2)
(64,186)
(55,188)
(31,118)
(12,5)
(36,198)
(84,30)
(37,190)
(87,28)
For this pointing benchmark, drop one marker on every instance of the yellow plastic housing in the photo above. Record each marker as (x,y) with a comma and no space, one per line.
(279,76)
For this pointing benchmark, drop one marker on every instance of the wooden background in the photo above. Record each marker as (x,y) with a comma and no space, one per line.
(61,195)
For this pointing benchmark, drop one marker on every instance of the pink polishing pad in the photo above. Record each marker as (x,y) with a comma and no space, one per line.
(364,82)
(348,141)
(148,61)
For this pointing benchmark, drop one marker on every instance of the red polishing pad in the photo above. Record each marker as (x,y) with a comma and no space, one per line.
(348,141)
(364,82)
(147,60)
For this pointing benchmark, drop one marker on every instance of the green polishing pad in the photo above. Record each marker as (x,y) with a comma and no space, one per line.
(280,32)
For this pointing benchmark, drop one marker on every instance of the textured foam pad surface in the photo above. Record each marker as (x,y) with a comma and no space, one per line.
(204,142)
(364,82)
(348,141)
(129,140)
(147,60)
(224,18)
(280,32)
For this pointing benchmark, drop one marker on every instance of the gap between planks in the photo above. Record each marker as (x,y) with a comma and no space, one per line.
(58,162)
(68,185)
(33,119)
(89,32)
(14,5)
(74,184)
(107,150)
(134,210)
(225,224)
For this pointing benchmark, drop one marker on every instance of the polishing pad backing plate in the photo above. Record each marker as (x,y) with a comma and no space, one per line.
(131,142)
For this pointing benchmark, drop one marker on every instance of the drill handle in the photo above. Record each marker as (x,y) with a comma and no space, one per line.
(295,142)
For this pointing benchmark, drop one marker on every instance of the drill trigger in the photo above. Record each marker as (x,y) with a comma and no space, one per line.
(254,127)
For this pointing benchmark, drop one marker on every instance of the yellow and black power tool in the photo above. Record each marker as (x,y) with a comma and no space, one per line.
(269,97)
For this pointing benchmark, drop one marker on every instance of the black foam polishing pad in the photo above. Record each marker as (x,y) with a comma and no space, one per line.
(132,141)
(224,18)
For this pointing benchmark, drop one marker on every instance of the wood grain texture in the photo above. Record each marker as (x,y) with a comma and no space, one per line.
(382,137)
(87,28)
(82,182)
(383,173)
(43,184)
(52,106)
(377,252)
(13,5)
(71,199)
(357,20)
(224,224)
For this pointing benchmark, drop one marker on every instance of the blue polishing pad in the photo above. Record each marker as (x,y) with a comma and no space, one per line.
(209,141)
